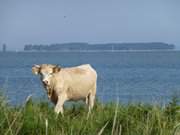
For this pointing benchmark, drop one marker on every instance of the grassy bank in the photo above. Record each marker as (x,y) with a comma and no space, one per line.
(38,118)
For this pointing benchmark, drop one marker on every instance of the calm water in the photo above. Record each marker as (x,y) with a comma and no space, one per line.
(127,76)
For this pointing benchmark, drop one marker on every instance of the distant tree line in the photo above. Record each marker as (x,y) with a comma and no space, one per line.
(107,46)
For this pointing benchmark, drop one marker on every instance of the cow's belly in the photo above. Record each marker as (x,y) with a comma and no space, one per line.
(76,98)
(77,94)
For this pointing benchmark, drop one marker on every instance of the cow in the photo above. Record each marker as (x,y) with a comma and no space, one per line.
(68,84)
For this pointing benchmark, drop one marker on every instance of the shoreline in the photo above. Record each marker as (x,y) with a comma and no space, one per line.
(94,51)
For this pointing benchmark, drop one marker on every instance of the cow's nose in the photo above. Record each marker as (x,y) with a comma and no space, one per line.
(45,82)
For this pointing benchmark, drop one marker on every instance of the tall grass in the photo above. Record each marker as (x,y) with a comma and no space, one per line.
(38,118)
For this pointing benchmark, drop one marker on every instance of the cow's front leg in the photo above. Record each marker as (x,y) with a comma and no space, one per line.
(59,106)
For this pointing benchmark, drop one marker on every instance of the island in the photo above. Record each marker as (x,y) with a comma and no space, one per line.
(80,46)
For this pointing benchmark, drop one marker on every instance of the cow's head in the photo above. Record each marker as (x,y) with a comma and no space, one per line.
(45,71)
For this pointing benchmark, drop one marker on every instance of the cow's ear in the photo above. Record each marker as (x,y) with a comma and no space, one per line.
(56,69)
(36,69)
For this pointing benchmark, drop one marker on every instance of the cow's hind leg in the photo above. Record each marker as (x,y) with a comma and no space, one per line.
(87,100)
(91,99)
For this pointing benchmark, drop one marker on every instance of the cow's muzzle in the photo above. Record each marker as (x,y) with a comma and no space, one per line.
(45,82)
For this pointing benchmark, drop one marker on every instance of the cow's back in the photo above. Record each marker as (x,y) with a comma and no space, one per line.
(79,80)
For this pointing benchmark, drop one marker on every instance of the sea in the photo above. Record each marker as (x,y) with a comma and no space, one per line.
(123,76)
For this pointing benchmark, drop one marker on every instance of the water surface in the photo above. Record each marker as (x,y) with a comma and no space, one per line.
(127,76)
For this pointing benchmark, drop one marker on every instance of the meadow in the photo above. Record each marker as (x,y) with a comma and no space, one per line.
(36,117)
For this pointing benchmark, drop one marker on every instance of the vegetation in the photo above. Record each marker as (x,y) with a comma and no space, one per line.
(38,118)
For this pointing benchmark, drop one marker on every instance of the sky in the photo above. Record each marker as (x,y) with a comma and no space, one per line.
(93,21)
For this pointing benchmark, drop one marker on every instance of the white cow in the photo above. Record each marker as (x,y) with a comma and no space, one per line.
(63,84)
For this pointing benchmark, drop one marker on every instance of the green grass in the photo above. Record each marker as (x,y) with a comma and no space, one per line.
(105,119)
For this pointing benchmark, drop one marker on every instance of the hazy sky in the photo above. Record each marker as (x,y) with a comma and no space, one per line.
(94,21)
